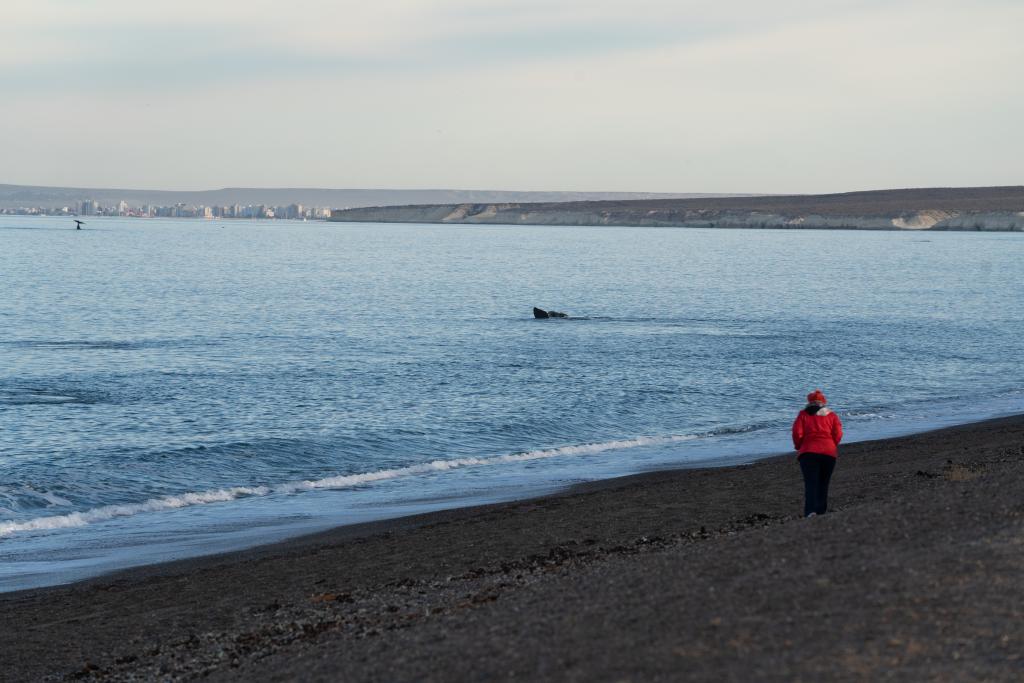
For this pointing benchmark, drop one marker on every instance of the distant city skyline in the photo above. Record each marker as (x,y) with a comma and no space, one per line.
(124,209)
(569,95)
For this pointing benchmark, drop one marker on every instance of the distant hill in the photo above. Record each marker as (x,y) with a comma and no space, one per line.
(17,196)
(963,208)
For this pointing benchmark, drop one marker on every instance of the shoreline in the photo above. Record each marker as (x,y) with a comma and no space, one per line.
(489,590)
(728,456)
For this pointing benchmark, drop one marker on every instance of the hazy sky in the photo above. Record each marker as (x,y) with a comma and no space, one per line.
(677,96)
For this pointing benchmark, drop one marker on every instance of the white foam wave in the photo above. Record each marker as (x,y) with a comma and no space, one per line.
(77,519)
(350,480)
(126,510)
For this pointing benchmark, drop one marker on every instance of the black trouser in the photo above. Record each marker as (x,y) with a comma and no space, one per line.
(817,469)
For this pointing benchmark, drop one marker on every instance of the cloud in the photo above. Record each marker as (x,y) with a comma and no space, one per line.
(103,44)
(727,96)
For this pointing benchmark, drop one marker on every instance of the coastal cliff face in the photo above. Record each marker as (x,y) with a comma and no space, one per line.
(988,209)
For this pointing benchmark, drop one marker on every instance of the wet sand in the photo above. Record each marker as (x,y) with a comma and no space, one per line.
(918,573)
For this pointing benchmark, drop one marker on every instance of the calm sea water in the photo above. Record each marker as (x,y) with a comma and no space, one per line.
(170,388)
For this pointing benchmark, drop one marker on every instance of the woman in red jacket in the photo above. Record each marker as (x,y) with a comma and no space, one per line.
(817,432)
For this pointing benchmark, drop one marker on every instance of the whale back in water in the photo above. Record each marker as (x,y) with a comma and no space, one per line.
(541,313)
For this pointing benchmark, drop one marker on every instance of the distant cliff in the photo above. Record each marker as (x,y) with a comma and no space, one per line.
(985,208)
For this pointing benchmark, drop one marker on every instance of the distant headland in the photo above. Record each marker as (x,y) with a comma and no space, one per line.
(941,208)
(267,202)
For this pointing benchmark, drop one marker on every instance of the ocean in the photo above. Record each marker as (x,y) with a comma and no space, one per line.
(176,388)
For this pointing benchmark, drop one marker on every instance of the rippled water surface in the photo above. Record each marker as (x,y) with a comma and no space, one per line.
(170,388)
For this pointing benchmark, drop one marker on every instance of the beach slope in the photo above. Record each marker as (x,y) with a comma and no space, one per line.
(682,575)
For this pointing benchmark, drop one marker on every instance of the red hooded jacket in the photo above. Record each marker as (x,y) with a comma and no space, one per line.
(818,433)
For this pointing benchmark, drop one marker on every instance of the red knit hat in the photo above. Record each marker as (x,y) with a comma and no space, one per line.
(817,397)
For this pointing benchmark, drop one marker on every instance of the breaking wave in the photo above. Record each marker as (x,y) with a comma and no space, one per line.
(106,512)
(343,481)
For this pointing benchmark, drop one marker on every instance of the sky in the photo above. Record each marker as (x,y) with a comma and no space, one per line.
(646,95)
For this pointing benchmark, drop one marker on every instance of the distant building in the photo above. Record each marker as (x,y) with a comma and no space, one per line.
(91,207)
